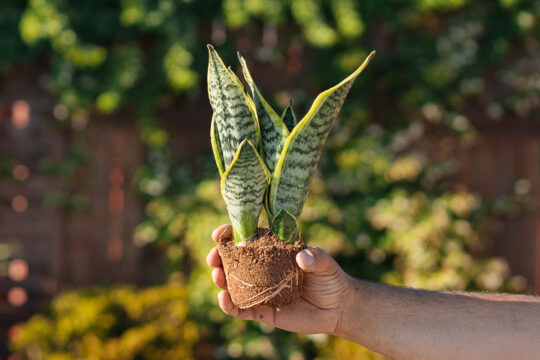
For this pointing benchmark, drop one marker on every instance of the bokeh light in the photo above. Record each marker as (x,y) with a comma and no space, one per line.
(19,203)
(20,172)
(20,114)
(17,296)
(116,200)
(18,270)
(60,112)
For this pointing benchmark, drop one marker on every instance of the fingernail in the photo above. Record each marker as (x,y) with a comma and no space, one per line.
(220,237)
(307,258)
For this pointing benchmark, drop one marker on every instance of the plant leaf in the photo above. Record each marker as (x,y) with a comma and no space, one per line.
(235,115)
(284,225)
(301,153)
(288,117)
(274,133)
(216,146)
(236,79)
(243,186)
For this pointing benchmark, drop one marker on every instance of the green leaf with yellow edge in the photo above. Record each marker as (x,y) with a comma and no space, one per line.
(288,117)
(216,146)
(238,82)
(274,133)
(301,153)
(243,186)
(284,225)
(234,112)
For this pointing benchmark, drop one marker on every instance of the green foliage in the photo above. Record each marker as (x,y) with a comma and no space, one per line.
(234,112)
(14,50)
(303,148)
(273,130)
(108,55)
(235,136)
(131,53)
(243,186)
(117,323)
(290,155)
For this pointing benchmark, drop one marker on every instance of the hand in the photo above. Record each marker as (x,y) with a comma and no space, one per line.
(325,293)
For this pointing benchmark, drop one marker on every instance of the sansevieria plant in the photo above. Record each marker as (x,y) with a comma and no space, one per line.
(265,159)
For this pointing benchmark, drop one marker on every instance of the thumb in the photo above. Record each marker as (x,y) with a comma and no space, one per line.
(317,261)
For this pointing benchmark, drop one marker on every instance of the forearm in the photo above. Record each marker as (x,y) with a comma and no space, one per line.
(414,324)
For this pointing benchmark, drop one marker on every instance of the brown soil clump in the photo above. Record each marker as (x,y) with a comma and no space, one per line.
(263,272)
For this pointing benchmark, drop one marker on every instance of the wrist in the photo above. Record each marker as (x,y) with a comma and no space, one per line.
(349,307)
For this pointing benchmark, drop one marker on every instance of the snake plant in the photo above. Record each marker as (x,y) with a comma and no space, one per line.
(266,159)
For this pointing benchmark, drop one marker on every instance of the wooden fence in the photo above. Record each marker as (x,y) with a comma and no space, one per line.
(506,161)
(42,247)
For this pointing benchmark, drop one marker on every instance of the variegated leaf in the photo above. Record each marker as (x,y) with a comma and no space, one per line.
(300,156)
(235,115)
(284,225)
(288,117)
(243,186)
(236,79)
(216,146)
(274,133)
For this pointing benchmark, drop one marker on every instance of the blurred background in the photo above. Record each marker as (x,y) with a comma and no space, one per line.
(109,193)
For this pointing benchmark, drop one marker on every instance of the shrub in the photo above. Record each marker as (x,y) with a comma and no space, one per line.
(117,323)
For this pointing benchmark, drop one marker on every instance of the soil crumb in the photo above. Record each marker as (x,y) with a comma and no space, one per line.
(262,272)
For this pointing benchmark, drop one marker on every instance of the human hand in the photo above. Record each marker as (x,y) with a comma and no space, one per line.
(325,293)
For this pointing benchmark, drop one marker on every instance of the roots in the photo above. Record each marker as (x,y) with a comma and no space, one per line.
(289,280)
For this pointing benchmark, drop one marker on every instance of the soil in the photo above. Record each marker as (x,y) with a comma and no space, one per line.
(263,272)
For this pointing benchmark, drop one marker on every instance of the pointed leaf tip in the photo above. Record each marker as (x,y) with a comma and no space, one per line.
(285,226)
(302,150)
(235,115)
(273,132)
(288,117)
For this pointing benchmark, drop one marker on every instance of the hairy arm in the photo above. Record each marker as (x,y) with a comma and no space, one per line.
(406,323)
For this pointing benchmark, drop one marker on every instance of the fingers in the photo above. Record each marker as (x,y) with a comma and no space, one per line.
(218,276)
(317,261)
(226,304)
(301,317)
(261,313)
(213,259)
(222,232)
